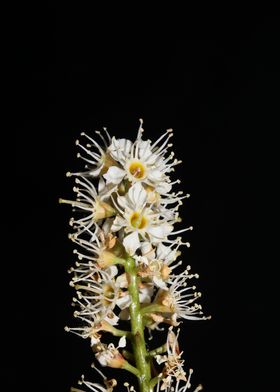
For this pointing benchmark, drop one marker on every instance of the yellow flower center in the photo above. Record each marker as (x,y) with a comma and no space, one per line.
(138,221)
(137,170)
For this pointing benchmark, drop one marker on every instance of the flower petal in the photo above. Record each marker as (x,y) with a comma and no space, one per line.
(166,253)
(147,250)
(155,175)
(112,271)
(122,342)
(112,318)
(138,196)
(159,283)
(114,175)
(124,302)
(131,243)
(120,149)
(160,232)
(118,223)
(145,295)
(121,281)
(163,188)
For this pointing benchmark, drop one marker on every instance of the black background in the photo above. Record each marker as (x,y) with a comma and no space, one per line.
(214,81)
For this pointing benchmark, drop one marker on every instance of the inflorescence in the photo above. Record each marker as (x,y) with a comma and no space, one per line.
(127,258)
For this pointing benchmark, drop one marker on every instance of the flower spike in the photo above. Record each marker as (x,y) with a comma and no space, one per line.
(128,260)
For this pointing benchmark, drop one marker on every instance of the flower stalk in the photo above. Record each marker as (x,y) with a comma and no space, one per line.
(137,328)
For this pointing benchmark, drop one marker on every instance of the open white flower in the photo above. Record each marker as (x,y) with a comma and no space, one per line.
(97,157)
(180,298)
(101,248)
(94,205)
(142,161)
(138,220)
(97,293)
(155,264)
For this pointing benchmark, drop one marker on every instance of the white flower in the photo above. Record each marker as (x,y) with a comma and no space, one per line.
(155,263)
(180,298)
(154,270)
(169,254)
(137,218)
(97,158)
(102,248)
(91,203)
(142,161)
(97,293)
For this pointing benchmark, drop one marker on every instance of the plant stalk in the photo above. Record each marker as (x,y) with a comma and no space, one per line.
(142,362)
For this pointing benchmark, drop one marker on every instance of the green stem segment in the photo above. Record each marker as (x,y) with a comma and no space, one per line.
(155,308)
(137,329)
(159,350)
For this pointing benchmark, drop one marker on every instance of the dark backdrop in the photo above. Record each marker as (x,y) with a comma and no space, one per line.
(212,82)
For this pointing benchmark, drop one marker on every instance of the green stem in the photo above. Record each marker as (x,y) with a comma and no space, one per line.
(155,308)
(118,260)
(131,369)
(137,328)
(158,350)
(154,381)
(118,332)
(128,355)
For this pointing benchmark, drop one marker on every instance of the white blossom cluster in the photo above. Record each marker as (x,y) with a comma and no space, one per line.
(125,207)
